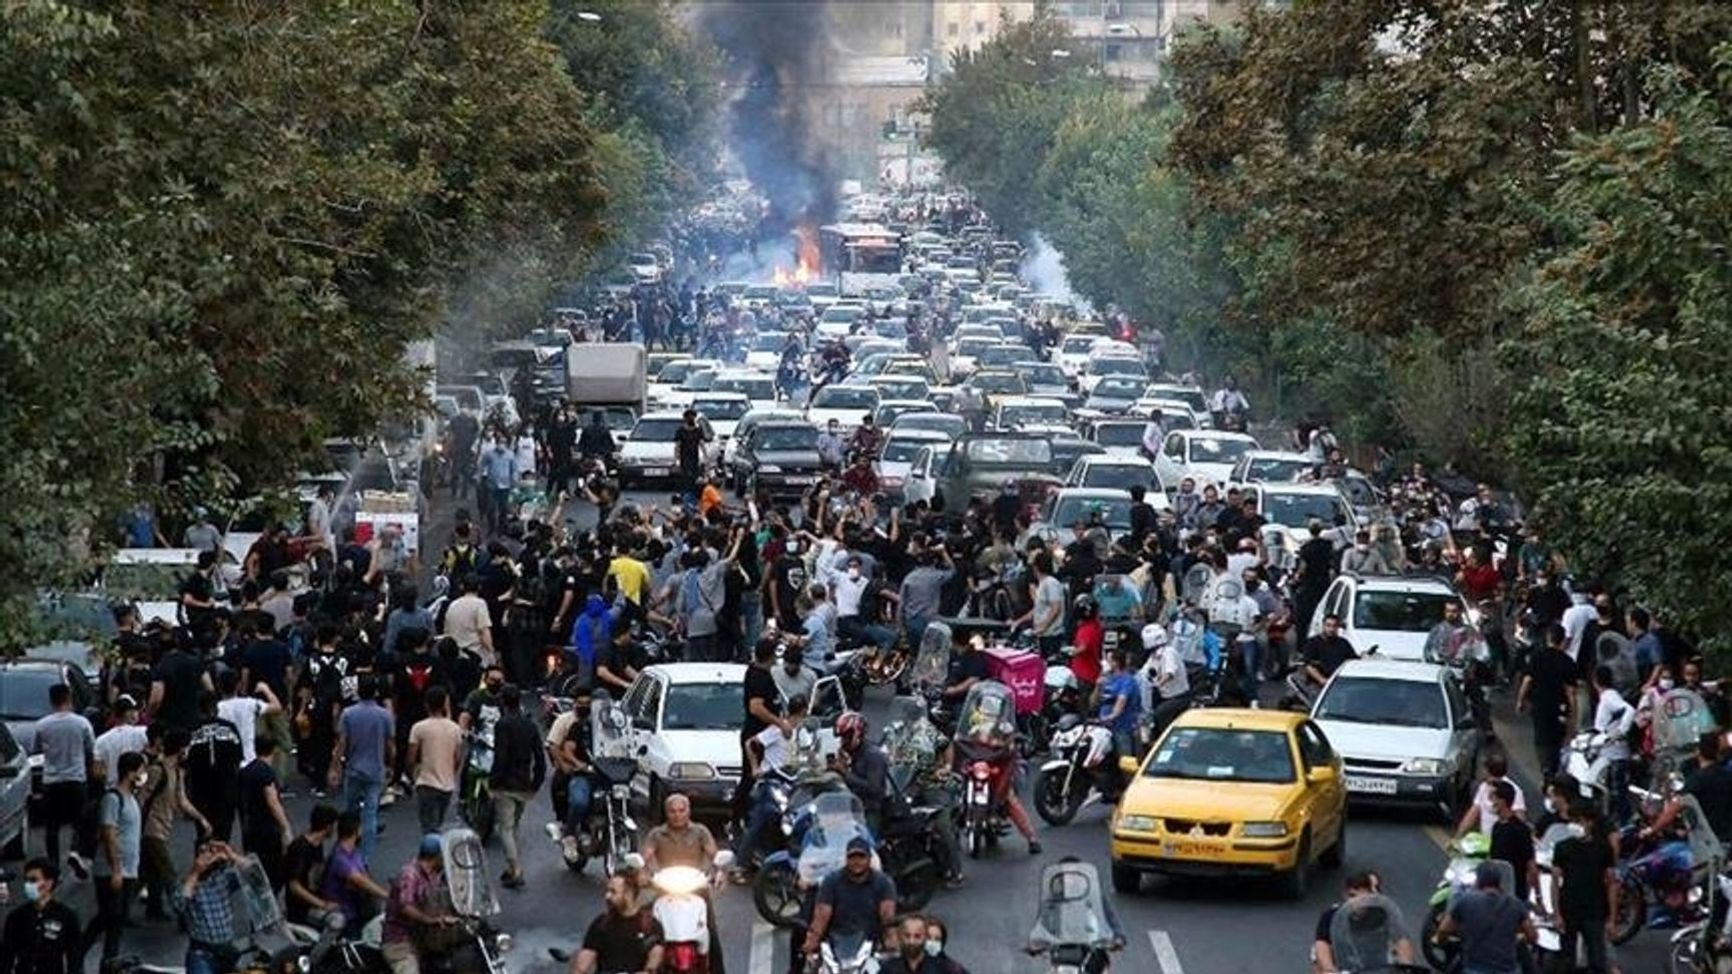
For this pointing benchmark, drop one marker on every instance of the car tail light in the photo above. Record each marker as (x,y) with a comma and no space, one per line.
(681,957)
(980,771)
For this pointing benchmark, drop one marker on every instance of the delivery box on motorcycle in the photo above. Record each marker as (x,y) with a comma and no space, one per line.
(1023,672)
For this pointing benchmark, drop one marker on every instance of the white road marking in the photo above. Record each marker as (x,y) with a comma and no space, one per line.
(763,947)
(1165,956)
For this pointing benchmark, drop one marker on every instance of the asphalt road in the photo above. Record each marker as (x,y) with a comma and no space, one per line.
(1219,927)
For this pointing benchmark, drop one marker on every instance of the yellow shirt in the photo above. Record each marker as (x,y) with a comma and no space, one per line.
(631,576)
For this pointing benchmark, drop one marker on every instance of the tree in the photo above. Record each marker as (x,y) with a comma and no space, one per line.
(227,222)
(1621,426)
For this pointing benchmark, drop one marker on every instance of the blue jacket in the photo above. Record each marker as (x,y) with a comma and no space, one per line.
(592,629)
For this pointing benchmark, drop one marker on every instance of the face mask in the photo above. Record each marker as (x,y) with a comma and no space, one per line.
(934,948)
(793,547)
(139,779)
(32,890)
(1550,808)
(853,573)
(1666,684)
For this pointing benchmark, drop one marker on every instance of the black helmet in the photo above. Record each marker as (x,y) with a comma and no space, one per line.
(1086,607)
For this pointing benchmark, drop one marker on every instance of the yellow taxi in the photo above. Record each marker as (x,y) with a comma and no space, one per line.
(1230,792)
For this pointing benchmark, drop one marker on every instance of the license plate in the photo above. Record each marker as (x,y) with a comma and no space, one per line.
(655,471)
(1370,786)
(801,481)
(1188,850)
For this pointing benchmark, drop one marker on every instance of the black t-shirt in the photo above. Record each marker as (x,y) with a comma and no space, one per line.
(1582,864)
(1316,563)
(1554,675)
(1143,519)
(788,576)
(1327,653)
(760,685)
(1712,788)
(415,674)
(268,660)
(965,665)
(688,446)
(213,758)
(198,585)
(854,904)
(257,822)
(303,860)
(180,672)
(1325,923)
(622,943)
(1513,842)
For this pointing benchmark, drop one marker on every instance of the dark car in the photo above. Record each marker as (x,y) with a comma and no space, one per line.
(980,464)
(781,457)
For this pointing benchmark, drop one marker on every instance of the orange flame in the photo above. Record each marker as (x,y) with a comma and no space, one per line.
(801,275)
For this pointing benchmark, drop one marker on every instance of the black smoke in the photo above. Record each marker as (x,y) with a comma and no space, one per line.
(776,53)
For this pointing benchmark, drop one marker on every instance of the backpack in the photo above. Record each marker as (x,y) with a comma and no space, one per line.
(418,673)
(460,561)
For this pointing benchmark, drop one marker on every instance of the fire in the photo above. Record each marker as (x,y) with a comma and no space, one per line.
(800,276)
(807,259)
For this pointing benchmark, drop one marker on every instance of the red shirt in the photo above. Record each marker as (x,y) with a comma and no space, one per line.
(1086,664)
(1479,582)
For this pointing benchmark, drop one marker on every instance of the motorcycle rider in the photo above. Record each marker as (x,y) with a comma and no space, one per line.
(856,899)
(767,754)
(569,744)
(596,442)
(864,767)
(679,841)
(917,744)
(1165,672)
(1120,702)
(1324,653)
(866,439)
(411,916)
(1490,922)
(915,954)
(625,938)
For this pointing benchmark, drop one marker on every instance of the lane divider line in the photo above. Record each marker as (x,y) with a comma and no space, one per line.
(1165,956)
(763,947)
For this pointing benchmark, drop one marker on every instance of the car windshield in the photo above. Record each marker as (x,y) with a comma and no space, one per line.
(1399,703)
(899,450)
(843,397)
(822,290)
(1050,413)
(675,372)
(903,388)
(840,314)
(786,438)
(1117,366)
(769,341)
(1116,476)
(655,430)
(24,692)
(616,420)
(752,387)
(972,347)
(1077,344)
(701,381)
(762,292)
(703,706)
(1015,453)
(1399,611)
(721,409)
(1119,434)
(144,582)
(1002,354)
(1207,449)
(998,382)
(1222,754)
(1046,375)
(1114,512)
(1275,469)
(1297,510)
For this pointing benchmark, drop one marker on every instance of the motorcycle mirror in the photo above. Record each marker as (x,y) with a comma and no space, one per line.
(724,859)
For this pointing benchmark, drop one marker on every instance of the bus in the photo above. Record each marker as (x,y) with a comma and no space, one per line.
(860,255)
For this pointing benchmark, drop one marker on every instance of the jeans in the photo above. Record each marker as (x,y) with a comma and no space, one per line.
(508,812)
(751,618)
(1594,946)
(914,627)
(762,816)
(861,631)
(361,792)
(206,959)
(430,807)
(1248,653)
(578,795)
(701,649)
(110,917)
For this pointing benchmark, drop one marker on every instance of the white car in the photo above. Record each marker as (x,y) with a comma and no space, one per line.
(149,579)
(765,351)
(846,404)
(906,387)
(1206,456)
(673,376)
(1118,473)
(1269,466)
(683,726)
(1043,378)
(1101,367)
(837,321)
(1031,413)
(1119,437)
(645,268)
(1287,510)
(723,410)
(1393,613)
(758,387)
(1405,733)
(648,453)
(1192,396)
(1061,512)
(898,454)
(1073,353)
(965,357)
(949,424)
(1175,414)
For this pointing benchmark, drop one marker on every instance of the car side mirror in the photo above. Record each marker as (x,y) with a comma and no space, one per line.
(1321,776)
(1129,765)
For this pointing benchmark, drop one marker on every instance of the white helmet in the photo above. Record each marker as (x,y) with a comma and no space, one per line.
(1154,636)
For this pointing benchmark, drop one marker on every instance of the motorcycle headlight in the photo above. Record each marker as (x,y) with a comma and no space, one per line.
(691,771)
(1423,766)
(502,943)
(1137,823)
(1263,830)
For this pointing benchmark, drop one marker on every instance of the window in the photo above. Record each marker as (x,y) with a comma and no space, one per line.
(980,28)
(953,29)
(1112,52)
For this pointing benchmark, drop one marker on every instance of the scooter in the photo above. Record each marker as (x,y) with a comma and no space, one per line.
(1083,769)
(983,815)
(684,916)
(1702,947)
(1458,877)
(847,954)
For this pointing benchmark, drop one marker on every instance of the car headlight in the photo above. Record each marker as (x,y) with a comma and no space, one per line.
(1263,830)
(1423,766)
(769,468)
(1137,823)
(890,481)
(691,771)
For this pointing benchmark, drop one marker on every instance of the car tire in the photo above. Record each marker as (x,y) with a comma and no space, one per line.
(1126,880)
(1296,882)
(1335,855)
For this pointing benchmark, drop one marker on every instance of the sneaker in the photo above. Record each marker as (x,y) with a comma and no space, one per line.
(512,882)
(1033,847)
(320,794)
(554,832)
(953,882)
(80,868)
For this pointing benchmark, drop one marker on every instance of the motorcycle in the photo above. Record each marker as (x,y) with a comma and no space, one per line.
(1366,937)
(1584,760)
(1465,651)
(847,953)
(684,916)
(1666,882)
(985,745)
(475,797)
(612,834)
(926,676)
(1084,768)
(817,836)
(1702,947)
(1074,930)
(1458,877)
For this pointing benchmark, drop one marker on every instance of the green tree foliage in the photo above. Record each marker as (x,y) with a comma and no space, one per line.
(1622,423)
(227,219)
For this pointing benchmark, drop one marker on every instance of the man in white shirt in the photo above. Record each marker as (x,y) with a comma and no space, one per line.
(1154,434)
(1575,621)
(119,739)
(468,622)
(848,588)
(767,753)
(1613,717)
(244,711)
(1165,674)
(1480,815)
